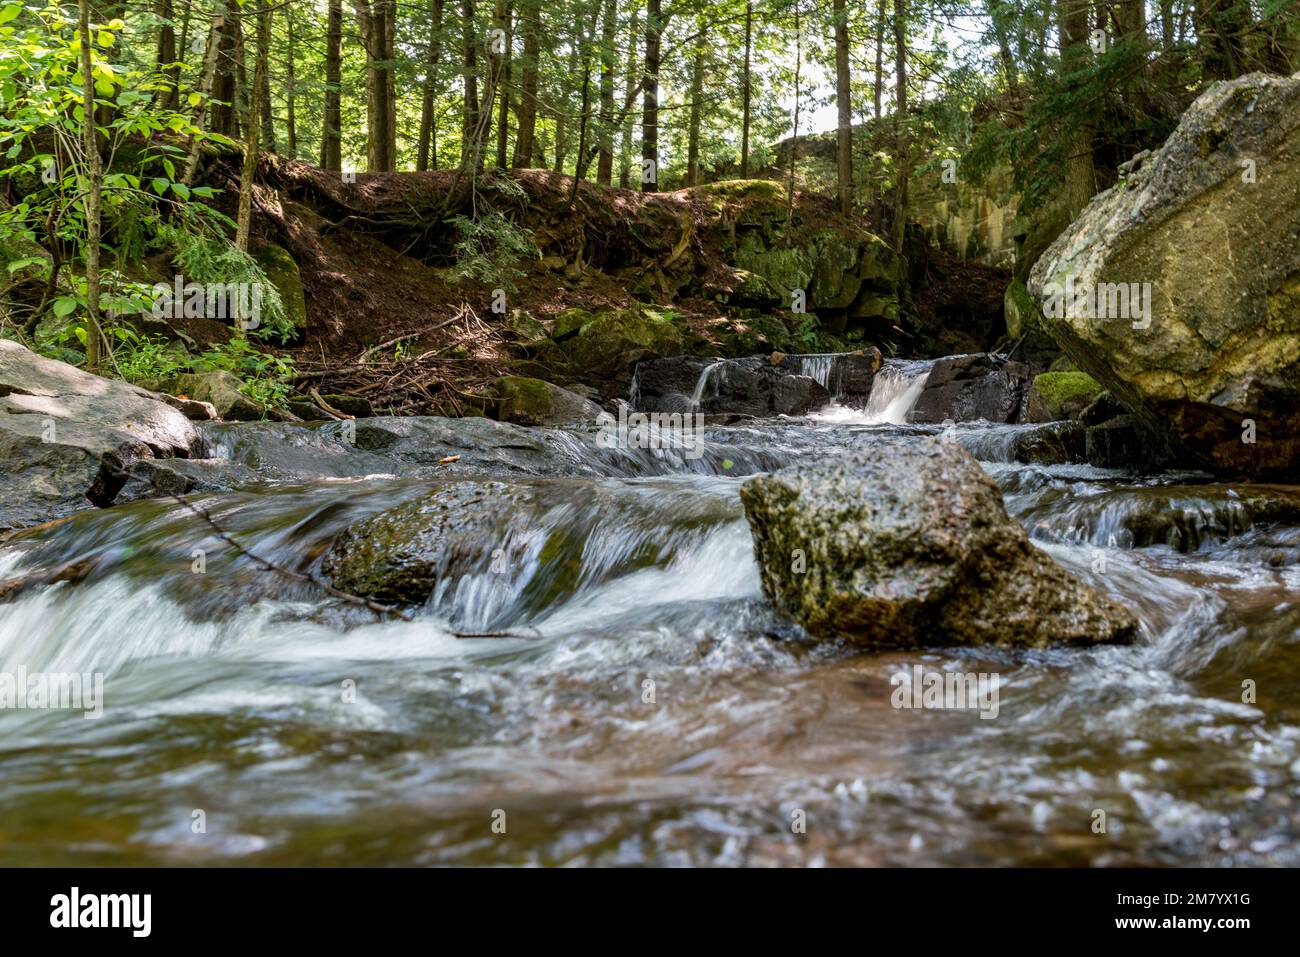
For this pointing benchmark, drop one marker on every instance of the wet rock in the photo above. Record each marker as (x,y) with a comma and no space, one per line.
(1122,442)
(752,386)
(910,544)
(973,387)
(526,401)
(1102,409)
(1056,443)
(535,541)
(478,445)
(1210,363)
(66,436)
(401,554)
(1026,331)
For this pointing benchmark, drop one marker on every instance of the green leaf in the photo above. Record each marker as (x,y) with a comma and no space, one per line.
(181,190)
(160,184)
(195,99)
(10,12)
(64,305)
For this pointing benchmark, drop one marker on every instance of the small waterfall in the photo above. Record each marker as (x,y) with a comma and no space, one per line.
(824,369)
(894,393)
(702,383)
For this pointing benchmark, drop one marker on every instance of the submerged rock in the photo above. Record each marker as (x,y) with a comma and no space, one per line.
(910,544)
(1201,242)
(66,436)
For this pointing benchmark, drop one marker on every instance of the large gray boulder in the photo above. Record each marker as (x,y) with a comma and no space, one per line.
(909,544)
(1211,221)
(67,437)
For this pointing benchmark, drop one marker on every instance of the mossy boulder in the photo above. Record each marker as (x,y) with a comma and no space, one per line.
(528,401)
(603,348)
(223,390)
(1207,353)
(908,544)
(1061,395)
(785,268)
(282,272)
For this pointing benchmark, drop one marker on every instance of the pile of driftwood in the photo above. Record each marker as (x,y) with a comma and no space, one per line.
(397,379)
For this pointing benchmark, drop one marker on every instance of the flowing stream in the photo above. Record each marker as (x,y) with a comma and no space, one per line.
(650,708)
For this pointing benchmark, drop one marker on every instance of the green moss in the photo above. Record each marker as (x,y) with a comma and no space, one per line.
(1022,312)
(785,268)
(523,399)
(282,272)
(1066,393)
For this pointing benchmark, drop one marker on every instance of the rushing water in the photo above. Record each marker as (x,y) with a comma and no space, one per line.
(307,733)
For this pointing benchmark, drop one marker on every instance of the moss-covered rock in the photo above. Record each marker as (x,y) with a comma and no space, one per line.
(1199,271)
(1061,395)
(527,401)
(910,544)
(282,272)
(603,348)
(223,390)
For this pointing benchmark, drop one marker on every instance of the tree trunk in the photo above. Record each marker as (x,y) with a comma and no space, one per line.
(697,96)
(263,43)
(252,128)
(331,141)
(206,86)
(425,149)
(167,53)
(794,134)
(900,115)
(745,91)
(1080,176)
(650,99)
(470,156)
(605,165)
(844,131)
(501,79)
(629,126)
(290,95)
(880,57)
(525,136)
(94,185)
(373,25)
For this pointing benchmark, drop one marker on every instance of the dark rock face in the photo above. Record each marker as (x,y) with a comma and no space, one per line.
(1210,363)
(1055,443)
(1122,442)
(910,544)
(753,386)
(67,436)
(967,388)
